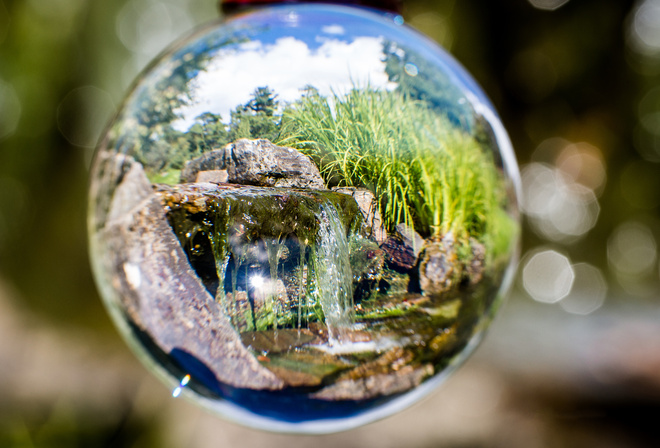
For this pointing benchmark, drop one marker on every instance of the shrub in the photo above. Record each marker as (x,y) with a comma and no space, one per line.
(424,171)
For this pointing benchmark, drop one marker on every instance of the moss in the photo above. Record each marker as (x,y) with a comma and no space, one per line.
(236,235)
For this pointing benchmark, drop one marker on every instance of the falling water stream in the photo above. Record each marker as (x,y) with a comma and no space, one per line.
(333,274)
(241,245)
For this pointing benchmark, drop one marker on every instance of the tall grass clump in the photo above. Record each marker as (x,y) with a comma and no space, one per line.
(425,172)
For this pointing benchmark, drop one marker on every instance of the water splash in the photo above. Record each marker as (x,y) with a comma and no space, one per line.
(333,274)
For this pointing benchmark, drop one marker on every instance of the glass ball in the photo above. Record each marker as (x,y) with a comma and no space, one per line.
(303,218)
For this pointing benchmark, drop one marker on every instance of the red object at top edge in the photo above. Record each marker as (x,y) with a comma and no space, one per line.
(232,6)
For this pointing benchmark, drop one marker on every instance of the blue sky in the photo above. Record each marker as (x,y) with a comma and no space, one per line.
(331,47)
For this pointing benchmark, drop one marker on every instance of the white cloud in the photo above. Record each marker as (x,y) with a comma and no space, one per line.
(333,29)
(286,67)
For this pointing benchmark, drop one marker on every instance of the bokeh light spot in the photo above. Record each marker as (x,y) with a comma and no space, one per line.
(435,26)
(411,69)
(548,276)
(645,28)
(548,5)
(632,249)
(588,291)
(147,26)
(558,208)
(583,163)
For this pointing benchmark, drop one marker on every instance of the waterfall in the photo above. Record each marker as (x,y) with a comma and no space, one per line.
(332,268)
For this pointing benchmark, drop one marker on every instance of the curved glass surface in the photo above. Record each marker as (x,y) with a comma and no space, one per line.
(304,217)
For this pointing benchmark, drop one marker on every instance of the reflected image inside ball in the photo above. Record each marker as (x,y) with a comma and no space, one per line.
(303,218)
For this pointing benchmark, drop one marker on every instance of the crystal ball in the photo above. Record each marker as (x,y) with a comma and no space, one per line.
(303,218)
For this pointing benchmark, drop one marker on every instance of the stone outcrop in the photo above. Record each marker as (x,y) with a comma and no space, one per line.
(369,208)
(260,163)
(210,161)
(389,374)
(259,240)
(212,176)
(439,267)
(142,265)
(402,248)
(474,271)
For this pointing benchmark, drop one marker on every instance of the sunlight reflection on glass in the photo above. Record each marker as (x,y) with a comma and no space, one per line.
(184,382)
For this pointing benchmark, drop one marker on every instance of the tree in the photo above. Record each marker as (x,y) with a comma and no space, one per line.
(256,118)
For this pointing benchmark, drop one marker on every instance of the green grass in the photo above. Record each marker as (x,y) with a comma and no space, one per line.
(170,177)
(424,171)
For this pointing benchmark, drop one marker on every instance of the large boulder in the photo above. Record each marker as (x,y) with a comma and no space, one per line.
(260,163)
(145,274)
(403,247)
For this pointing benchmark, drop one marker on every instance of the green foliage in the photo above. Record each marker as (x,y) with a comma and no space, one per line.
(255,119)
(418,79)
(207,133)
(155,143)
(170,177)
(424,171)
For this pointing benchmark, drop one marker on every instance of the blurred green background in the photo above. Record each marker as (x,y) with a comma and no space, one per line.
(574,359)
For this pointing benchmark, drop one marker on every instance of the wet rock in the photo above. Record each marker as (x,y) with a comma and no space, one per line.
(255,212)
(212,176)
(400,381)
(392,359)
(260,163)
(402,248)
(110,170)
(367,262)
(394,283)
(304,368)
(140,262)
(277,341)
(369,208)
(474,271)
(439,267)
(389,374)
(210,161)
(445,341)
(264,241)
(240,310)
